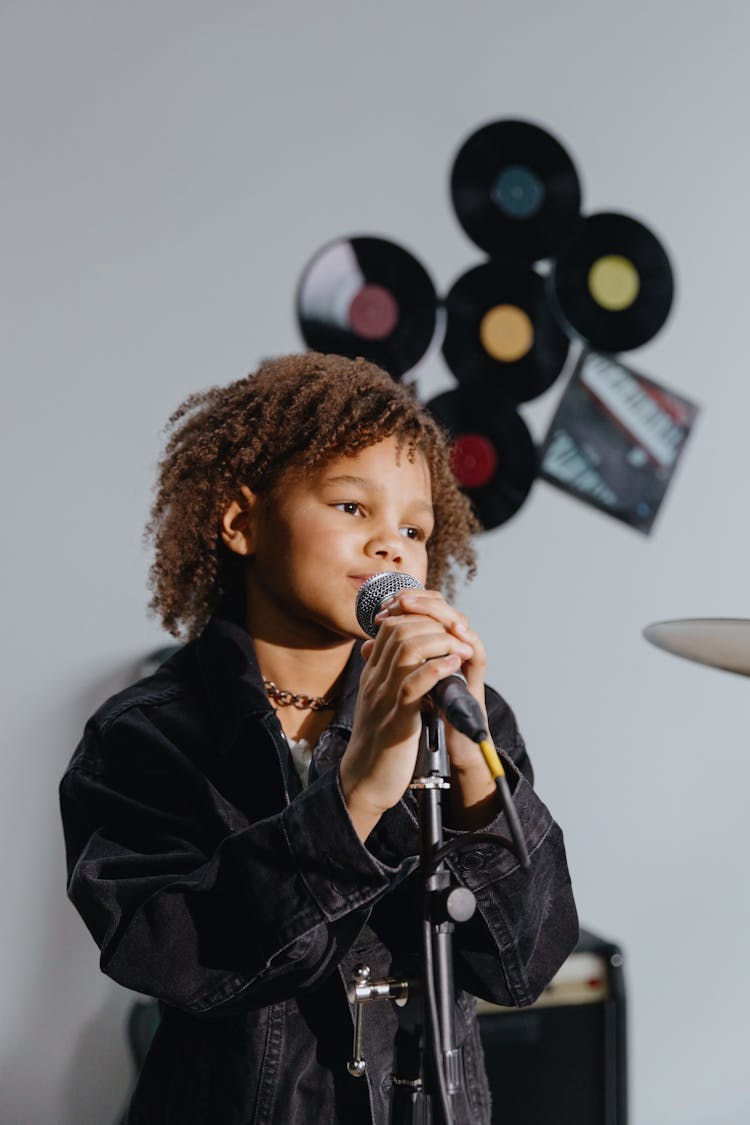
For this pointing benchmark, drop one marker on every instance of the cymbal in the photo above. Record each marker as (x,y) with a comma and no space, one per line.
(721,642)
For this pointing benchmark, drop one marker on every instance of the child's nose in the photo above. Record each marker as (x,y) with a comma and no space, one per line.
(386,546)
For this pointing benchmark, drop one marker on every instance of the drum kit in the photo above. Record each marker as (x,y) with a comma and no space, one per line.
(720,642)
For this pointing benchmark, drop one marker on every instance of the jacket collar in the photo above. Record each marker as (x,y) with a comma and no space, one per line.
(233,685)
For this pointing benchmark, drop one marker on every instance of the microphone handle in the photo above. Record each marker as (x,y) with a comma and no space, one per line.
(451,696)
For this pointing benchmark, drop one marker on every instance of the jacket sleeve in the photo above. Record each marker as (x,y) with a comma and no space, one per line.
(525,923)
(187,901)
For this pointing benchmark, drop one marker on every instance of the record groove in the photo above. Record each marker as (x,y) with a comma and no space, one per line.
(613,286)
(515,191)
(494,458)
(502,338)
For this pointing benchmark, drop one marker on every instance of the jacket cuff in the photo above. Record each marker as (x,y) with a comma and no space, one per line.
(482,862)
(337,869)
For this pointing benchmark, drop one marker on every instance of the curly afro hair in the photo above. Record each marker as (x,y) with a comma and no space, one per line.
(294,415)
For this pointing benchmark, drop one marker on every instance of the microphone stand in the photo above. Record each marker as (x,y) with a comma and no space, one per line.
(428,1064)
(428,1078)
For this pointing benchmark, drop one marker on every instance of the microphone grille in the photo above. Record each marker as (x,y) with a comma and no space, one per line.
(375,590)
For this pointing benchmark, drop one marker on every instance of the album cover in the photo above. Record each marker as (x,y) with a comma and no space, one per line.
(616,438)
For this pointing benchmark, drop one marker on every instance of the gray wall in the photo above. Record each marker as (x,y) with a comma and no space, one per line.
(167,170)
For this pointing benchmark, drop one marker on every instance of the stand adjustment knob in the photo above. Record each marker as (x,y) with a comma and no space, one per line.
(460,904)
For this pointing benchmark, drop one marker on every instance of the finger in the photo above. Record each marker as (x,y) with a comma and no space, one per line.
(469,637)
(426,602)
(423,602)
(416,685)
(409,641)
(397,603)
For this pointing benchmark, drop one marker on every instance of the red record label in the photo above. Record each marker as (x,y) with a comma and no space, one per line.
(473,460)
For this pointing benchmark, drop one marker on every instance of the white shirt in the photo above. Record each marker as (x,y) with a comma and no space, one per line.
(302,753)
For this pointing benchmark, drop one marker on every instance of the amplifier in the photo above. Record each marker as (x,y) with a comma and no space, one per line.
(562,1061)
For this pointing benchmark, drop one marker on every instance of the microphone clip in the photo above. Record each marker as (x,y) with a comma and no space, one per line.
(431,769)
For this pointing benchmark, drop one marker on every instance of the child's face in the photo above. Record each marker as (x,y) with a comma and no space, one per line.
(317,539)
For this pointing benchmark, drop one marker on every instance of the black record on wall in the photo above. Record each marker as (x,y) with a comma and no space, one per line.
(516,191)
(366,296)
(493,455)
(502,337)
(613,286)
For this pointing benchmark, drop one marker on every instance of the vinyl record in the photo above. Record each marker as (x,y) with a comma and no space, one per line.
(613,286)
(369,297)
(516,191)
(494,458)
(502,338)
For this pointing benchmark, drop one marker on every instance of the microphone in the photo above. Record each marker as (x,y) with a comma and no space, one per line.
(450,695)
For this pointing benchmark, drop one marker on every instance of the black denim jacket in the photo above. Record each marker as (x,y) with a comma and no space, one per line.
(210,881)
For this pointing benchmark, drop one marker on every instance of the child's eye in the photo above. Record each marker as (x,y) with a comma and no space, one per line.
(412,533)
(351,507)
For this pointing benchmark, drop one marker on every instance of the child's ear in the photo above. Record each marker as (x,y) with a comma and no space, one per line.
(238,523)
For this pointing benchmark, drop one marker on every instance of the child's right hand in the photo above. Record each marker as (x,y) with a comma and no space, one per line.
(414,649)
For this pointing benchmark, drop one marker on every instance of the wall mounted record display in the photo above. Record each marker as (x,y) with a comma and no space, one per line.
(550,280)
(494,458)
(613,285)
(366,296)
(515,191)
(501,337)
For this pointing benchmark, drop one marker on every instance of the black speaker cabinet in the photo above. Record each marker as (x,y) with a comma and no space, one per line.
(563,1060)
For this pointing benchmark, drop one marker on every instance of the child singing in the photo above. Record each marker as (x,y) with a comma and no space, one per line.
(239,827)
